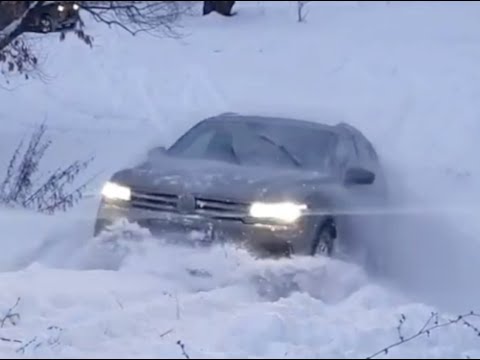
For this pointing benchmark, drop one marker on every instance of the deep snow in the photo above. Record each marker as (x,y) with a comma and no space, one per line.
(404,73)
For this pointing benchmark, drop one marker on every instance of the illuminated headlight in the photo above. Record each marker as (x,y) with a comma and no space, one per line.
(61,8)
(114,191)
(286,212)
(76,7)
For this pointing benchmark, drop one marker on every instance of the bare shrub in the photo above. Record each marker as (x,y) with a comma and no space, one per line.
(20,186)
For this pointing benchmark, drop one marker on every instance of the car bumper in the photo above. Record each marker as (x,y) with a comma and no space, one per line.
(260,238)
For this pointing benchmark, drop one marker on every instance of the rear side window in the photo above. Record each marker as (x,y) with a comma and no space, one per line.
(346,151)
(373,153)
(365,150)
(370,152)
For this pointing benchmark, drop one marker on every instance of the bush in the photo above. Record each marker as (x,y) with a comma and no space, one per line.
(20,189)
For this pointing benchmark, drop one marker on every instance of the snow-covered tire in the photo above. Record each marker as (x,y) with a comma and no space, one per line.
(324,241)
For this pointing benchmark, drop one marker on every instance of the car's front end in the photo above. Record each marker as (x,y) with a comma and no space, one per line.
(265,227)
(69,14)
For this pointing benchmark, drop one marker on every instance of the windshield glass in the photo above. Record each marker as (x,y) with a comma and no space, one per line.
(259,144)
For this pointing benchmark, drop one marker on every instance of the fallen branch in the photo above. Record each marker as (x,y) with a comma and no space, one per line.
(182,347)
(11,340)
(11,316)
(166,333)
(51,340)
(21,350)
(301,14)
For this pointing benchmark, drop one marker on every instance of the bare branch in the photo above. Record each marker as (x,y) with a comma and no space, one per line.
(19,58)
(166,333)
(20,17)
(16,53)
(11,316)
(139,16)
(20,187)
(14,14)
(23,348)
(177,307)
(51,340)
(182,347)
(433,323)
(14,341)
(301,14)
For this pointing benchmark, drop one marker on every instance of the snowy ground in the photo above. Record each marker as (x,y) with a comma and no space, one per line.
(406,74)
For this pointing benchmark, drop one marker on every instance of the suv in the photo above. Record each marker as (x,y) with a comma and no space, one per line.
(279,186)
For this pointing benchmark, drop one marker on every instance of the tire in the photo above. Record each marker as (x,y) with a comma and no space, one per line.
(324,242)
(46,24)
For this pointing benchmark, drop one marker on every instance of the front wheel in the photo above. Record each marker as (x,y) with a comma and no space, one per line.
(47,24)
(324,241)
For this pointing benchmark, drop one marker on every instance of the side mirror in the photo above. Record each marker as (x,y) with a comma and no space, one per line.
(157,151)
(359,176)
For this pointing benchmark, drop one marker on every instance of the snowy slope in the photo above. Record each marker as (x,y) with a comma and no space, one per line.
(404,73)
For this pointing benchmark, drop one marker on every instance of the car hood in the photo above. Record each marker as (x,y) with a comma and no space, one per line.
(218,180)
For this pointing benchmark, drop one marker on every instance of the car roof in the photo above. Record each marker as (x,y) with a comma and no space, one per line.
(233,117)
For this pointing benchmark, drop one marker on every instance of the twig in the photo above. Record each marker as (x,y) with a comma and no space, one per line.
(301,15)
(119,303)
(51,341)
(427,329)
(177,307)
(24,347)
(166,333)
(11,340)
(11,316)
(184,352)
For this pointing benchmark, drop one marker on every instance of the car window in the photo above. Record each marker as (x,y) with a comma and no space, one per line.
(346,152)
(371,152)
(366,150)
(259,144)
(198,144)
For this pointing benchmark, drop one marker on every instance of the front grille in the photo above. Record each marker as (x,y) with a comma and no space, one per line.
(221,209)
(212,208)
(154,201)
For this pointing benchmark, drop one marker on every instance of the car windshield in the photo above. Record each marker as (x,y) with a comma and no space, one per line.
(259,144)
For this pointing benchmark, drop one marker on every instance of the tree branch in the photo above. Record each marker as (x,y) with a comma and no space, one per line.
(427,329)
(182,347)
(17,56)
(13,341)
(15,22)
(11,316)
(138,16)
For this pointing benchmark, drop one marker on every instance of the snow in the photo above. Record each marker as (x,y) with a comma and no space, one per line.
(404,73)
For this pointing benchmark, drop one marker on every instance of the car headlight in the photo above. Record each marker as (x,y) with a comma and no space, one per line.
(286,211)
(60,8)
(76,7)
(114,191)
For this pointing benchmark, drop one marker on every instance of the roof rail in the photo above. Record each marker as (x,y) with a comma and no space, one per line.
(349,127)
(345,125)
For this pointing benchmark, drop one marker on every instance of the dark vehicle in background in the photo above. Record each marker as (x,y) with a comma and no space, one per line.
(277,186)
(53,17)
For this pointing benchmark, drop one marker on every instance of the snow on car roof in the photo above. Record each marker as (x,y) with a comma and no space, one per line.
(232,117)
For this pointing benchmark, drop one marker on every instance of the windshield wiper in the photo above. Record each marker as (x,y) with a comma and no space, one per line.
(282,148)
(235,155)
